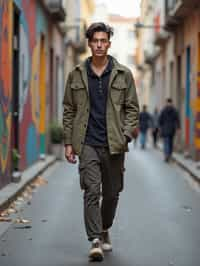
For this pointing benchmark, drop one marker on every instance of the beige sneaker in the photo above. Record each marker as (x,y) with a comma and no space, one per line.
(96,252)
(106,242)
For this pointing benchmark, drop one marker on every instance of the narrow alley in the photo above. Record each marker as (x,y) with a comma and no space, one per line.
(157,221)
(89,78)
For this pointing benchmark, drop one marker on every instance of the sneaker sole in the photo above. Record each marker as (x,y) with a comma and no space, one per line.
(96,255)
(107,247)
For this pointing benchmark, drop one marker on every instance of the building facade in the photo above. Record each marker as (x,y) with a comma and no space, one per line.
(28,32)
(176,67)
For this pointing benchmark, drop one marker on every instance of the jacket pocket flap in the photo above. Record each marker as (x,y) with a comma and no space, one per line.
(77,86)
(119,85)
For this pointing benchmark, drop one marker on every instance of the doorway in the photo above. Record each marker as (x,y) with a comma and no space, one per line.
(15,79)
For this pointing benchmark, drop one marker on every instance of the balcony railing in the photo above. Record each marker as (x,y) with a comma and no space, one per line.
(56,9)
(176,10)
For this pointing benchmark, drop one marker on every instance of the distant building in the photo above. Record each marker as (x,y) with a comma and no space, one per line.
(123,46)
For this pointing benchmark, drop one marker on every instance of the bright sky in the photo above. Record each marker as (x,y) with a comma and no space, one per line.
(127,8)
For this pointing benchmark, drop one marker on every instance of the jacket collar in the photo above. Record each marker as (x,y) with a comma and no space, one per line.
(116,68)
(116,65)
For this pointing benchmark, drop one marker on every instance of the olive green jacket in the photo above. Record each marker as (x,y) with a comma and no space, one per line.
(121,113)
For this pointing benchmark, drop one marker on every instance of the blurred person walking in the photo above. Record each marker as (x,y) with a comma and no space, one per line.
(145,122)
(169,123)
(135,136)
(155,127)
(100,114)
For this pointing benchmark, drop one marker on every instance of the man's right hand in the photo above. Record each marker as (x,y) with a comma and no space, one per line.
(69,154)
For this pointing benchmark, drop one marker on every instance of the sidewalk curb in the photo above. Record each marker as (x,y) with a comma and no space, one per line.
(182,162)
(12,190)
(187,169)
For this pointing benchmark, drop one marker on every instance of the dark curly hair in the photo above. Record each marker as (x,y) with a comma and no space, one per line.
(97,27)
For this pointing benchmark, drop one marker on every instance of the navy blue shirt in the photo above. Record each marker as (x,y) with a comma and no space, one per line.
(96,134)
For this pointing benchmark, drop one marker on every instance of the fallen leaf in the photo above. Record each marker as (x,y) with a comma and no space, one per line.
(25,195)
(5,219)
(25,221)
(21,221)
(41,181)
(11,210)
(28,188)
(3,214)
(20,199)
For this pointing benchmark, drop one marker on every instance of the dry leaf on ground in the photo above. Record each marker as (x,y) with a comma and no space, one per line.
(11,210)
(22,221)
(20,199)
(41,181)
(5,219)
(4,213)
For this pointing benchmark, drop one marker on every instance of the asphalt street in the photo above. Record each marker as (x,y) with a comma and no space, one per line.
(157,220)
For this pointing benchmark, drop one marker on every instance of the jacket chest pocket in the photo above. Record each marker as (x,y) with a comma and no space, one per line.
(78,93)
(118,93)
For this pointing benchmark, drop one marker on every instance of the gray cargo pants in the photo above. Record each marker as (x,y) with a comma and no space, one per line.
(100,171)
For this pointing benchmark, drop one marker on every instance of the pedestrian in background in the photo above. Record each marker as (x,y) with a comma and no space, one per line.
(100,113)
(135,136)
(144,124)
(169,123)
(155,127)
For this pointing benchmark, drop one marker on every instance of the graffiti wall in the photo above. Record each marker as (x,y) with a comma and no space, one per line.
(32,111)
(5,89)
(33,24)
(27,35)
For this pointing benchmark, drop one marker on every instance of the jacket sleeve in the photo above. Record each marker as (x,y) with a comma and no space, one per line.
(131,107)
(68,112)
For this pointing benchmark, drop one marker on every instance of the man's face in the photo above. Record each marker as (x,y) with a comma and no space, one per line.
(99,44)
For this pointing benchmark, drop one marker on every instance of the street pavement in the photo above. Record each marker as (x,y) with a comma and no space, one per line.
(157,221)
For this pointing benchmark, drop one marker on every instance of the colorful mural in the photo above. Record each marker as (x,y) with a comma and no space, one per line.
(33,23)
(34,30)
(5,88)
(197,104)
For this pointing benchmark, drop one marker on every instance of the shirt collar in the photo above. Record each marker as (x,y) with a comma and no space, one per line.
(107,70)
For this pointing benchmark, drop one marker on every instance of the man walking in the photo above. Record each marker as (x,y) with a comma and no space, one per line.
(144,124)
(100,114)
(155,127)
(169,123)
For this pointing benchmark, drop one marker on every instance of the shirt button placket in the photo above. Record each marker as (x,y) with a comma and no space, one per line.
(100,85)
